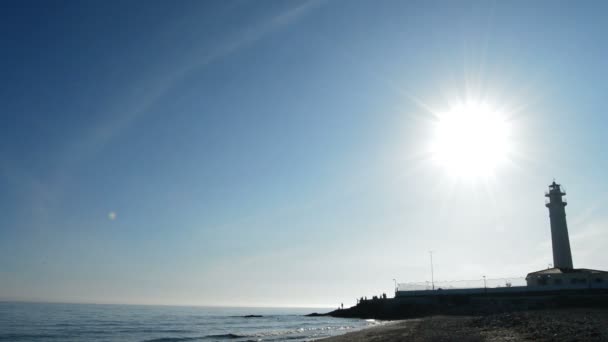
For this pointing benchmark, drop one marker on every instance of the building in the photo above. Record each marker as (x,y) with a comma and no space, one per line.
(563,275)
(573,278)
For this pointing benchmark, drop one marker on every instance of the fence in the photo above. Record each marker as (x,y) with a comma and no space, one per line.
(463,284)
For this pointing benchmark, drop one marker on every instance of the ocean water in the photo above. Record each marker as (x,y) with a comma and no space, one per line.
(137,323)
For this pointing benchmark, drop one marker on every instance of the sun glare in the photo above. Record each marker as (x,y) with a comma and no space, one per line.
(471,140)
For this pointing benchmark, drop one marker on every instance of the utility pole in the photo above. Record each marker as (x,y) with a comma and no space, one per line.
(432,275)
(395,280)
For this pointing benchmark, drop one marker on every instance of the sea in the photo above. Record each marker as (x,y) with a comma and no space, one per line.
(144,323)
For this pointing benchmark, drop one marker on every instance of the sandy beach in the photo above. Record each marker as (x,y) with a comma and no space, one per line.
(545,325)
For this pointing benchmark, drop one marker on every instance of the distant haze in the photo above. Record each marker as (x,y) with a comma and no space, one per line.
(275,153)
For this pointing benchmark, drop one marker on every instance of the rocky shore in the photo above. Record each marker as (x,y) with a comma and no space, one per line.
(542,325)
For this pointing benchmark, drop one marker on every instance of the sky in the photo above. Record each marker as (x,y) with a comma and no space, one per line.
(275,153)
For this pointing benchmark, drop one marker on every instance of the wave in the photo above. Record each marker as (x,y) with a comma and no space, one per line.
(225,336)
(180,339)
(17,337)
(173,339)
(152,331)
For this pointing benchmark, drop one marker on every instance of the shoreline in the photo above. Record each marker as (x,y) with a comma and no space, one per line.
(542,325)
(384,332)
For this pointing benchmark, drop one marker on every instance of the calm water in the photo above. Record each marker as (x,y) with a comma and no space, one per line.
(84,322)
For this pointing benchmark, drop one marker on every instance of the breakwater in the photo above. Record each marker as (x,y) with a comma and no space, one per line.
(435,303)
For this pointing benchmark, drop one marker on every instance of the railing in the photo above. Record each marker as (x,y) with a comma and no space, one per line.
(463,284)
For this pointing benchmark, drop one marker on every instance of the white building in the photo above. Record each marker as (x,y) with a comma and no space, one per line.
(575,278)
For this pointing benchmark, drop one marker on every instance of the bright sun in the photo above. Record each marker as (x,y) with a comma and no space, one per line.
(471,140)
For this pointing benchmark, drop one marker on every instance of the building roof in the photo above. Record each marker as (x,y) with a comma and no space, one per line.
(557,270)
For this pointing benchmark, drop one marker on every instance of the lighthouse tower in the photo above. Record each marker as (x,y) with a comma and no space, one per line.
(562,257)
(563,276)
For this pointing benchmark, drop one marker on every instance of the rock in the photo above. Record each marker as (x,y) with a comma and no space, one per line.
(316,314)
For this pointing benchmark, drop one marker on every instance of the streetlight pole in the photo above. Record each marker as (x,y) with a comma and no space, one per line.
(395,280)
(432,273)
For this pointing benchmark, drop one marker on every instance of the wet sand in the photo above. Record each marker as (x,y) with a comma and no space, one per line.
(546,325)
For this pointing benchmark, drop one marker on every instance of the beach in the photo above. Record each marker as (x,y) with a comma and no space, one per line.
(542,325)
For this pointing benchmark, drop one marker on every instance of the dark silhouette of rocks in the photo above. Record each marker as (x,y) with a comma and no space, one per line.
(316,314)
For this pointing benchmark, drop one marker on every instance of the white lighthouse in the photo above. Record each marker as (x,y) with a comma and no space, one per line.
(562,257)
(563,276)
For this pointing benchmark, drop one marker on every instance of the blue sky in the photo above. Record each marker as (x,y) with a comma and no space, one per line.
(272,153)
